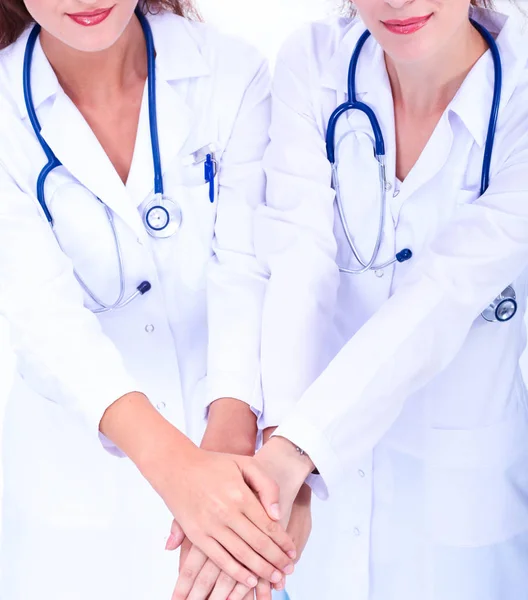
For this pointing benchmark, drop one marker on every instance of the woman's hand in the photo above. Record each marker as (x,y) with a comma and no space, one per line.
(280,458)
(299,528)
(200,579)
(211,496)
(231,429)
(210,499)
(300,524)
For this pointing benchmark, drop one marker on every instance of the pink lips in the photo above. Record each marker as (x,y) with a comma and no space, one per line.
(406,26)
(89,19)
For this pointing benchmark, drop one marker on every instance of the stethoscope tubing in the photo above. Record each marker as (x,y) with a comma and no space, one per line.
(53,162)
(379,149)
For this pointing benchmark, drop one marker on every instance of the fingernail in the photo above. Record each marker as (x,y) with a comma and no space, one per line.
(275,511)
(279,586)
(276,577)
(288,570)
(292,554)
(170,542)
(252,581)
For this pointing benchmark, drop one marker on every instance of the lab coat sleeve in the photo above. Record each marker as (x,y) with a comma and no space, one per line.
(61,351)
(420,329)
(236,282)
(294,238)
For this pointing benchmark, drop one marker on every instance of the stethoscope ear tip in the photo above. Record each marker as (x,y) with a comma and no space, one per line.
(404,255)
(144,287)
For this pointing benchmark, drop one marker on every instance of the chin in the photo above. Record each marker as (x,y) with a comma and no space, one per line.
(408,51)
(91,41)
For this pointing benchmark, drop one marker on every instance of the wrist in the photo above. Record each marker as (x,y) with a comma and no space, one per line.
(230,411)
(304,497)
(231,428)
(286,464)
(165,462)
(150,441)
(216,439)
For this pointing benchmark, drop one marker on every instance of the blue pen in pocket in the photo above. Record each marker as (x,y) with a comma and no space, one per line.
(209,175)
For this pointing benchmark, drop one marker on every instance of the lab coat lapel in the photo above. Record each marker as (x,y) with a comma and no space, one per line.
(429,164)
(76,146)
(175,120)
(472,110)
(179,62)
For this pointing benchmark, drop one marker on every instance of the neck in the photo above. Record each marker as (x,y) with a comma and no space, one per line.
(95,78)
(427,87)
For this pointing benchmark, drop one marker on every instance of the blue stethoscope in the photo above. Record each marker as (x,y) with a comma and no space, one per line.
(162,216)
(505,305)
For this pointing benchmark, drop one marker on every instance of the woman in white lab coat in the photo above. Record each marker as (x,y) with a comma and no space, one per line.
(410,404)
(78,522)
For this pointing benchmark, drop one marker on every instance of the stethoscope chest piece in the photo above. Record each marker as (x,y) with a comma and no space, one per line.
(503,308)
(162,217)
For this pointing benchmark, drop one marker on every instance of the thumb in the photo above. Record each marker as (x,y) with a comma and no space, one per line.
(264,486)
(176,536)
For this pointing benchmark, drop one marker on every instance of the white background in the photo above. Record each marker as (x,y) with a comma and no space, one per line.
(265,23)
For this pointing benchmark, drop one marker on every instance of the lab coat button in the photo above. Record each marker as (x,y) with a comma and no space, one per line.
(149,328)
(361,473)
(379,273)
(161,405)
(396,193)
(357,533)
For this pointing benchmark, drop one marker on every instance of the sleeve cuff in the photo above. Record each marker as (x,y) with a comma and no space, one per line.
(234,386)
(275,412)
(306,436)
(318,486)
(110,447)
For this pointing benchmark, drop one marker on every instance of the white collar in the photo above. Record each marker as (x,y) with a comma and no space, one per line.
(474,113)
(178,56)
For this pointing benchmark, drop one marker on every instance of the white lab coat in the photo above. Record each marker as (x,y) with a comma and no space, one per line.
(79,523)
(410,404)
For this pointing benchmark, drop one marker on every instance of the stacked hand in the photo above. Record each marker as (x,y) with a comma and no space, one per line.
(226,505)
(202,575)
(201,579)
(223,518)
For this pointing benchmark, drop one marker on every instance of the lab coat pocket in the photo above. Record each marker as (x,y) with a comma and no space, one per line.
(477,483)
(196,234)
